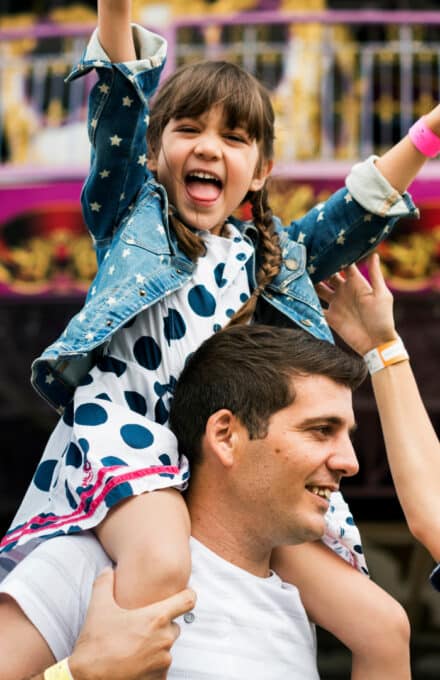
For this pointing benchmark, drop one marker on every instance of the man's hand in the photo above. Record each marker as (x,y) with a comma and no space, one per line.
(122,644)
(359,311)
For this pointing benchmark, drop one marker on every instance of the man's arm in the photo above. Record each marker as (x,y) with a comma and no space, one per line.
(115,643)
(362,314)
(23,651)
(126,644)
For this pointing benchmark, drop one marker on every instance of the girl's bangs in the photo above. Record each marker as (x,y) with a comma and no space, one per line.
(220,84)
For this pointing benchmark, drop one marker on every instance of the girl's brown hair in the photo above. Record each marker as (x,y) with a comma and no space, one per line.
(190,92)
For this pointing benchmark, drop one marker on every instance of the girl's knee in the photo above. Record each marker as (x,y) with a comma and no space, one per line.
(146,576)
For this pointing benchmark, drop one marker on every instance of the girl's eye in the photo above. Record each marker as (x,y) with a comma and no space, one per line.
(186,128)
(236,137)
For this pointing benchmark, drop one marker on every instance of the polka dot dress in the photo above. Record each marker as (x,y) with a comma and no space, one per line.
(113,441)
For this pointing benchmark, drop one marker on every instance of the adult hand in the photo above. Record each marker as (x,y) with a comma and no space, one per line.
(359,311)
(127,644)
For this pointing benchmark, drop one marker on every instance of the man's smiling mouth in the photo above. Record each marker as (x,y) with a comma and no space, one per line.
(323,491)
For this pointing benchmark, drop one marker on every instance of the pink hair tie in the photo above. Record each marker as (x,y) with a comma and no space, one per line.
(424,139)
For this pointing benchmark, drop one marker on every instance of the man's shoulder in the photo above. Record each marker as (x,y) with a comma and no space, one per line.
(75,560)
(52,586)
(77,549)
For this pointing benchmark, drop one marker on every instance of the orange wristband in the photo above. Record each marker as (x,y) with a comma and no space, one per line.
(392,352)
(60,671)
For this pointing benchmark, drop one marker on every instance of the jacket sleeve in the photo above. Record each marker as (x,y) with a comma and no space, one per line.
(117,126)
(351,223)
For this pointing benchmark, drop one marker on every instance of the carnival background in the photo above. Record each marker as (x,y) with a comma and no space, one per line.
(347,79)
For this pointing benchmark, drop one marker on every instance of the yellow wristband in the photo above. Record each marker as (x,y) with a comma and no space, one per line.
(60,671)
(389,353)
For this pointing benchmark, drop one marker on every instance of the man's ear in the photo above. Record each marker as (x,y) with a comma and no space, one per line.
(222,436)
(261,174)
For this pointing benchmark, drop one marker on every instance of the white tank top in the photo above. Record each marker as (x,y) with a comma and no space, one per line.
(243,627)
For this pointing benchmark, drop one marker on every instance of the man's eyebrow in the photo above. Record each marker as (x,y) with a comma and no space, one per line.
(330,420)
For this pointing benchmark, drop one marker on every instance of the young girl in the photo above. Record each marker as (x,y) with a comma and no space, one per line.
(174,267)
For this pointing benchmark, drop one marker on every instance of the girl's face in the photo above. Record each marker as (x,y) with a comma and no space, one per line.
(207,168)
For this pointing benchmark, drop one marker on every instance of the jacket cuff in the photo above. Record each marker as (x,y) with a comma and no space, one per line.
(150,47)
(374,193)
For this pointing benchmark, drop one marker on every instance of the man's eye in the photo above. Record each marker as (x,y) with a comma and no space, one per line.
(324,430)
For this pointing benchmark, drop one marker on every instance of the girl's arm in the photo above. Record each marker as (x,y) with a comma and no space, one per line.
(118,117)
(401,164)
(114,30)
(349,605)
(362,314)
(351,223)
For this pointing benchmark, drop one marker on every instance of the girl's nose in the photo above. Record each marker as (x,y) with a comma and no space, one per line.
(208,147)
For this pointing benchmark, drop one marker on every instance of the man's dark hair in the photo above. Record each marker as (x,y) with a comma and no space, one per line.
(249,370)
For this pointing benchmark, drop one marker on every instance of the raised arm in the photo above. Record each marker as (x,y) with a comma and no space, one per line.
(362,314)
(114,29)
(403,161)
(355,220)
(128,60)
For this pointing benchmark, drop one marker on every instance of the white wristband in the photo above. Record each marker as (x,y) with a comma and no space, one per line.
(385,355)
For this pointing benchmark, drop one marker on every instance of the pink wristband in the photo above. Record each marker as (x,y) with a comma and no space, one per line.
(424,139)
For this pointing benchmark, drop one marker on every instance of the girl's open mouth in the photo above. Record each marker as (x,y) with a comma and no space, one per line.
(203,187)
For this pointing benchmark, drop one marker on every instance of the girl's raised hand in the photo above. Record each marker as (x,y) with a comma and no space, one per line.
(114,26)
(359,311)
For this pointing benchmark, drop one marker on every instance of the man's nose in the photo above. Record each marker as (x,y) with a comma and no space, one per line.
(344,459)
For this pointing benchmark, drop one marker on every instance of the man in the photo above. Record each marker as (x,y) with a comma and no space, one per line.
(269,440)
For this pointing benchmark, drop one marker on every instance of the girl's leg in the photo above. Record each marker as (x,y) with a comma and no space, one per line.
(147,536)
(350,606)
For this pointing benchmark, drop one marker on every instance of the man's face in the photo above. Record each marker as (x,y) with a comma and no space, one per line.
(285,479)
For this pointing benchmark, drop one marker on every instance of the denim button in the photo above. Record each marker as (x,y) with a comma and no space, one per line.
(291,264)
(189,617)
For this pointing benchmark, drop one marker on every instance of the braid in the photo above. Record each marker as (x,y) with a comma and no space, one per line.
(191,244)
(270,249)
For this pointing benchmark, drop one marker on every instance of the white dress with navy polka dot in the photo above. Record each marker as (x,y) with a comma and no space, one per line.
(114,442)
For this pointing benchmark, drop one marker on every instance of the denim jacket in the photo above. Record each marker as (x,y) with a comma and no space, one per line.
(139,260)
